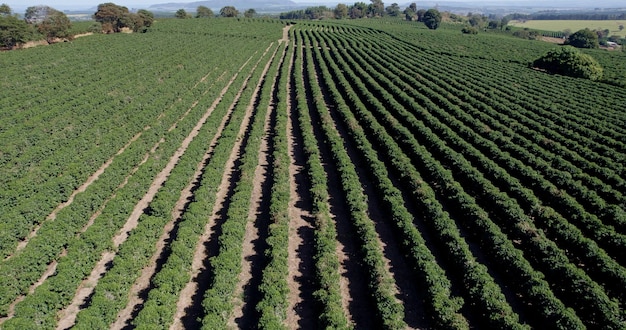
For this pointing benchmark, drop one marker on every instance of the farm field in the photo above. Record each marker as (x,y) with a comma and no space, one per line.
(256,173)
(574,25)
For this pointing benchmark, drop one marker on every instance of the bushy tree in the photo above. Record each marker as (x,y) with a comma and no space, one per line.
(583,39)
(229,11)
(145,20)
(5,9)
(181,13)
(420,15)
(36,14)
(432,19)
(249,13)
(341,11)
(358,10)
(112,17)
(376,8)
(569,61)
(55,24)
(409,14)
(393,10)
(469,30)
(204,12)
(13,31)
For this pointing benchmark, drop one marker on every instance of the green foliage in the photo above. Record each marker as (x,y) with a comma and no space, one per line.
(204,12)
(114,18)
(341,11)
(250,13)
(393,10)
(526,34)
(13,31)
(54,24)
(569,61)
(5,9)
(229,11)
(181,13)
(432,19)
(583,39)
(469,30)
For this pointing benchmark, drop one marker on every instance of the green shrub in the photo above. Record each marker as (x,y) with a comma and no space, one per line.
(469,30)
(569,61)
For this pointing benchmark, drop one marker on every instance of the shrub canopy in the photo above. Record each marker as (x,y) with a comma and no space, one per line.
(569,61)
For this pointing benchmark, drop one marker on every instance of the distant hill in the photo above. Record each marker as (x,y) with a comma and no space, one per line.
(241,5)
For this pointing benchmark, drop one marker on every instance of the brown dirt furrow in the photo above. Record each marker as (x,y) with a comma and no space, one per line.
(68,316)
(300,313)
(193,105)
(190,292)
(285,34)
(406,290)
(353,285)
(91,179)
(52,267)
(143,282)
(243,315)
(49,272)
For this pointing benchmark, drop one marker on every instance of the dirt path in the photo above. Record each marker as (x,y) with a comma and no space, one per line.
(52,266)
(91,179)
(300,313)
(353,285)
(68,316)
(143,282)
(285,38)
(47,273)
(395,264)
(189,292)
(258,221)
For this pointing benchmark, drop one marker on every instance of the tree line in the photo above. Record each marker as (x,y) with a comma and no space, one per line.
(205,12)
(44,22)
(431,17)
(554,15)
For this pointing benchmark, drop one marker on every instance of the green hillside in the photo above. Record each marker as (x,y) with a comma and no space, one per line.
(257,173)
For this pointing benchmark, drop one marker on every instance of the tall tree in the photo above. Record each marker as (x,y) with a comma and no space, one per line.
(341,11)
(504,22)
(204,12)
(358,10)
(420,15)
(13,31)
(409,14)
(54,25)
(432,18)
(376,8)
(413,7)
(229,11)
(36,14)
(111,16)
(5,9)
(583,39)
(393,10)
(249,13)
(144,20)
(181,13)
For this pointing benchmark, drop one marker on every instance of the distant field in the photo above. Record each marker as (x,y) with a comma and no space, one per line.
(574,25)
